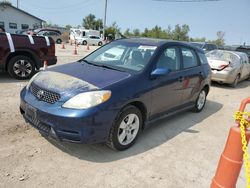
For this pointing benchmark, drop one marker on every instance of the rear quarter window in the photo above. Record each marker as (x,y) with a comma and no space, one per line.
(203,58)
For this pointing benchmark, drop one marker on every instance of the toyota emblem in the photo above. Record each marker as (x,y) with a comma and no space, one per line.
(40,94)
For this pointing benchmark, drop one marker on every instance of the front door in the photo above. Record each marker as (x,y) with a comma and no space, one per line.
(167,90)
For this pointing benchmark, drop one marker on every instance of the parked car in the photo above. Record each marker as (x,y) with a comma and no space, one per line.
(228,66)
(57,37)
(21,55)
(37,31)
(112,100)
(207,47)
(244,49)
(91,40)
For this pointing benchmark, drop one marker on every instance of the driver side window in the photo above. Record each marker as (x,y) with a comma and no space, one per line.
(170,59)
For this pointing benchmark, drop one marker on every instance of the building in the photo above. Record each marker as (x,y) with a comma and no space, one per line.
(14,19)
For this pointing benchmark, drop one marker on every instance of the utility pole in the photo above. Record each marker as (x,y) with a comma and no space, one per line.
(17,3)
(105,17)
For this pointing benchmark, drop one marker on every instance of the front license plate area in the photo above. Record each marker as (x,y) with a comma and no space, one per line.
(30,113)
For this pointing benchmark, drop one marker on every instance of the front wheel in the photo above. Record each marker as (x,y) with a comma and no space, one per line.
(200,101)
(125,129)
(100,44)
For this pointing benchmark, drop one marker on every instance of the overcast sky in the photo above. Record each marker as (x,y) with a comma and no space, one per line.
(204,18)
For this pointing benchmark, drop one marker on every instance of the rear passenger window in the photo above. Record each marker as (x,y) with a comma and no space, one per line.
(203,58)
(170,59)
(189,58)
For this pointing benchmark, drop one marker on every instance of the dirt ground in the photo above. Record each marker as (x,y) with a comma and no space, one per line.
(181,151)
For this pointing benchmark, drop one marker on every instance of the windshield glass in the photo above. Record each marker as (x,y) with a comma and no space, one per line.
(123,56)
(222,55)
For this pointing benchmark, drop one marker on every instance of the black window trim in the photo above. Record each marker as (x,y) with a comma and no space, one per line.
(163,49)
(196,55)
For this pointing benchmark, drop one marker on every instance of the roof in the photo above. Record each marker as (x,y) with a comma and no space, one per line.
(24,12)
(157,42)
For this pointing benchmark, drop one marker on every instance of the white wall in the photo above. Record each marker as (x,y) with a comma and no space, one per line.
(11,15)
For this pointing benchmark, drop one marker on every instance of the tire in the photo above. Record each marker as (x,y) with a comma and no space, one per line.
(84,42)
(236,81)
(100,44)
(121,130)
(58,41)
(200,101)
(21,67)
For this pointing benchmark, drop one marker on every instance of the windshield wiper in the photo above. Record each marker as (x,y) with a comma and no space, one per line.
(84,60)
(107,67)
(100,65)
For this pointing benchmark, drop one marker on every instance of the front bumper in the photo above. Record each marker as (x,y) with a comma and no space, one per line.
(79,126)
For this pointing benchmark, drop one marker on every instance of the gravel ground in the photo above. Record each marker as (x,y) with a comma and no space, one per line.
(181,151)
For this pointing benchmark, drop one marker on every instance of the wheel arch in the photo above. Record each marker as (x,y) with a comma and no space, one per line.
(21,53)
(142,107)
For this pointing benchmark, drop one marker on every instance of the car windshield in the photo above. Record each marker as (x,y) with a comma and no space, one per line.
(123,56)
(222,55)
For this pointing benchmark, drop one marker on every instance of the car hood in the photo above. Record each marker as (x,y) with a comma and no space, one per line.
(78,76)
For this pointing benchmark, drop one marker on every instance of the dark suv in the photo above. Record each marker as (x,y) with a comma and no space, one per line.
(207,47)
(111,98)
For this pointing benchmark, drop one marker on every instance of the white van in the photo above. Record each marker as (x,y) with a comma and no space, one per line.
(77,35)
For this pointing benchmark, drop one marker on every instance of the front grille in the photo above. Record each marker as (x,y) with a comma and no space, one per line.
(44,95)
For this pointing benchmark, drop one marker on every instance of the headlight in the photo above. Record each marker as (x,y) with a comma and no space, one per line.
(87,100)
(31,80)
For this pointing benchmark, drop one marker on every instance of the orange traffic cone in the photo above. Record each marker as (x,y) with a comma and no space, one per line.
(45,65)
(63,46)
(75,51)
(231,159)
(88,46)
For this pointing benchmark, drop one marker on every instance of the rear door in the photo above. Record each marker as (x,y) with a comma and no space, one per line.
(193,74)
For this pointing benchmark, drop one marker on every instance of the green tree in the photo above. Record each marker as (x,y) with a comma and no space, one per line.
(89,22)
(2,3)
(68,27)
(220,41)
(112,30)
(127,33)
(136,32)
(181,32)
(203,39)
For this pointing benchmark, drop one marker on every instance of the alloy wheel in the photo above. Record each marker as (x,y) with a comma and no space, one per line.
(128,129)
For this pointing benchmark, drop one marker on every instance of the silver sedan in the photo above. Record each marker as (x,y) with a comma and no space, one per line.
(228,66)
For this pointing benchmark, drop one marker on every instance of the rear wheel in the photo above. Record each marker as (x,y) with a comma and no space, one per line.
(58,41)
(21,67)
(84,42)
(236,81)
(100,44)
(201,101)
(126,129)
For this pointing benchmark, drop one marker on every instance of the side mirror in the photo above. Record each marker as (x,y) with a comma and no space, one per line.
(159,72)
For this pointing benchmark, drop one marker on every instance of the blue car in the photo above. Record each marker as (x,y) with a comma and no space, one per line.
(112,94)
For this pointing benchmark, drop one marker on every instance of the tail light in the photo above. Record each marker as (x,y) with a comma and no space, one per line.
(53,48)
(223,66)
